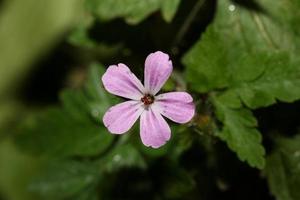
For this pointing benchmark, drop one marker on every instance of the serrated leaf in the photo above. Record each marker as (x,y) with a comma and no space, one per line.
(236,53)
(240,133)
(277,78)
(134,11)
(279,81)
(282,169)
(70,129)
(62,179)
(252,60)
(206,68)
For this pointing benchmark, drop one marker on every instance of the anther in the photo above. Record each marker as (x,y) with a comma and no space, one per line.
(147,99)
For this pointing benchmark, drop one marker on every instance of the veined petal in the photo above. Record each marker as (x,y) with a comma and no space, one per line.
(158,68)
(154,129)
(121,117)
(120,81)
(177,106)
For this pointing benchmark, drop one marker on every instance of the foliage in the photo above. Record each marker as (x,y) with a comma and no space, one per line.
(249,71)
(133,11)
(240,132)
(78,121)
(64,179)
(282,169)
(238,58)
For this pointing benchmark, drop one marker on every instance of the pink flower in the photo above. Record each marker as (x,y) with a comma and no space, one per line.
(144,101)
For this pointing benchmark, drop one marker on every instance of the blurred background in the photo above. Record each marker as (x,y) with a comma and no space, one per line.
(52,142)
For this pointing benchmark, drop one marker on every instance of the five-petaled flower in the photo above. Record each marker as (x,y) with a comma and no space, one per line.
(144,101)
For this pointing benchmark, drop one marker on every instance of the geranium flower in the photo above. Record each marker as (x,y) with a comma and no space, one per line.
(144,101)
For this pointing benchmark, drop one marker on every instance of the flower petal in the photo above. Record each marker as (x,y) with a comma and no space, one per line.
(158,68)
(120,81)
(154,129)
(121,117)
(177,106)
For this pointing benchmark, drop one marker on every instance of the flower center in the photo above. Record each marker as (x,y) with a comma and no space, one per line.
(147,99)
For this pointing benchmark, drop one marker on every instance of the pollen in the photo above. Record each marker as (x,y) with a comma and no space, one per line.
(147,99)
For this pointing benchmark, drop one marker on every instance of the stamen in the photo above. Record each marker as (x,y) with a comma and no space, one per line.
(147,99)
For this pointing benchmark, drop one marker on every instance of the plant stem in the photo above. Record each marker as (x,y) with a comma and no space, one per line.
(187,23)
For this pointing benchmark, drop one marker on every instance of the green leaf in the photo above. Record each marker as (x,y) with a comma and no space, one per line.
(169,8)
(206,67)
(252,61)
(99,100)
(133,11)
(240,133)
(236,52)
(286,13)
(62,179)
(56,133)
(279,81)
(253,28)
(92,100)
(180,141)
(79,36)
(282,169)
(73,129)
(122,156)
